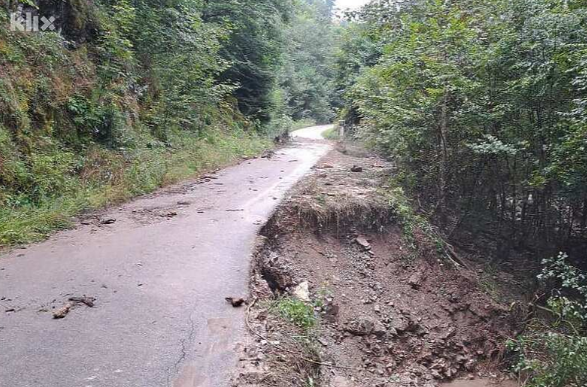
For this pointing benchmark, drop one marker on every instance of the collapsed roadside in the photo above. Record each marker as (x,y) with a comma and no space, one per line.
(349,288)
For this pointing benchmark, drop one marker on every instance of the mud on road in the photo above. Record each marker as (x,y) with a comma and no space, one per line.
(378,312)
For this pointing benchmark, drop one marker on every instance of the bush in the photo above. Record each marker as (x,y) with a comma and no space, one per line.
(555,354)
(297,312)
(552,360)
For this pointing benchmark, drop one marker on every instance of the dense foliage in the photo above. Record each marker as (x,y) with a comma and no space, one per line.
(555,354)
(307,75)
(482,103)
(127,95)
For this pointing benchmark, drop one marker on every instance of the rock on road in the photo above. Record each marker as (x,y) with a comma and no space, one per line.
(159,268)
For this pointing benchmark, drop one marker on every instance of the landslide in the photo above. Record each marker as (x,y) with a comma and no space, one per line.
(345,293)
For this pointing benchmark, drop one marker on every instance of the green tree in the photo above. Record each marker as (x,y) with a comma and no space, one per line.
(307,75)
(253,49)
(482,105)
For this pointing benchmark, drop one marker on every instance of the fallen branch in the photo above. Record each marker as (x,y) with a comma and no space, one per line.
(8,308)
(454,256)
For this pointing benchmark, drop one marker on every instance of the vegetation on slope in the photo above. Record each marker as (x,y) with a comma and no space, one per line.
(127,96)
(482,104)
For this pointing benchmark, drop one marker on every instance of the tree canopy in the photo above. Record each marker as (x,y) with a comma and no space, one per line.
(482,105)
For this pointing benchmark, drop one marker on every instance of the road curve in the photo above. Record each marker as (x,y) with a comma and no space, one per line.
(159,274)
(312,133)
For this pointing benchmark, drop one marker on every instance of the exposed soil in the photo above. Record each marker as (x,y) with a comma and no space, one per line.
(388,314)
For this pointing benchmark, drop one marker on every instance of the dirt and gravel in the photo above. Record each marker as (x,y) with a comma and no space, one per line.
(387,313)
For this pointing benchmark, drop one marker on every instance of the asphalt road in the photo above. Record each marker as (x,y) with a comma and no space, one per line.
(312,133)
(159,274)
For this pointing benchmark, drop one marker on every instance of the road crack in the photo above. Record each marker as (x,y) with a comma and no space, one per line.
(184,351)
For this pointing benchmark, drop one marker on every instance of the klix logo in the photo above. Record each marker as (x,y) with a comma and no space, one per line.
(28,22)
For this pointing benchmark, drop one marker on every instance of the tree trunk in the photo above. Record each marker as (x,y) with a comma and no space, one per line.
(584,216)
(443,170)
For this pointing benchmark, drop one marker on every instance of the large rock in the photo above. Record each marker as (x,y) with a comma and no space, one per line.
(363,242)
(416,279)
(365,326)
(302,292)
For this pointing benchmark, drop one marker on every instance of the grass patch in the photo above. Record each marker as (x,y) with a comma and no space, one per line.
(332,134)
(552,351)
(110,177)
(296,312)
(301,124)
